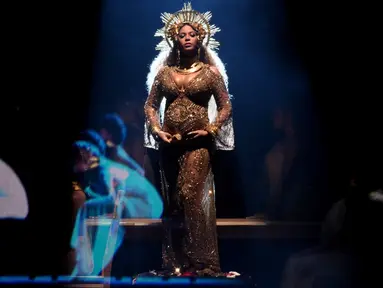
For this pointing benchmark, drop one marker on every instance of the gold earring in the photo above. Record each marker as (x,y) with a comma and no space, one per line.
(199,54)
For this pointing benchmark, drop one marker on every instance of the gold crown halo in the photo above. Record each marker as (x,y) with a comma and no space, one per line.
(200,21)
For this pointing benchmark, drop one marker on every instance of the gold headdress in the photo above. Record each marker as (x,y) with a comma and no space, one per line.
(199,21)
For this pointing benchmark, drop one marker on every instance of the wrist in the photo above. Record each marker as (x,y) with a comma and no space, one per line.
(156,129)
(212,130)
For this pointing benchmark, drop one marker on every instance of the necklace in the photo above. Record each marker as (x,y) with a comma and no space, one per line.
(193,68)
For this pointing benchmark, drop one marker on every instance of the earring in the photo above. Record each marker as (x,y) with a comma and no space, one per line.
(199,54)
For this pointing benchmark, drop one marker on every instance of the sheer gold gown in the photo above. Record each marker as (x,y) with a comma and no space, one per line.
(190,241)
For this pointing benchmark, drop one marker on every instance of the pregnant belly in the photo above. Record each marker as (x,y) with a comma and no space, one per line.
(183,117)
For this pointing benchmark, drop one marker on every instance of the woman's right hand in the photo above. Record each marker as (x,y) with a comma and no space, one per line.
(165,136)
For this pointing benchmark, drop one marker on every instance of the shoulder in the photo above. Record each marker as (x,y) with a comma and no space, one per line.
(215,70)
(214,73)
(163,70)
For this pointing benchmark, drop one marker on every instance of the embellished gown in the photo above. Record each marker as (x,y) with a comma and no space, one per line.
(189,219)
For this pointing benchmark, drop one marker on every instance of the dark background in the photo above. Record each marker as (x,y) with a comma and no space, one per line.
(47,92)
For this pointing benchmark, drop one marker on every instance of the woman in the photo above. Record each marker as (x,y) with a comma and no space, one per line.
(188,113)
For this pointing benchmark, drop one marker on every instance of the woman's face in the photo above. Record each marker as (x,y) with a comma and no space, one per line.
(188,39)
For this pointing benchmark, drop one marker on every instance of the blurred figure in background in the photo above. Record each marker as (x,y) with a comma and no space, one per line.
(97,180)
(79,197)
(351,241)
(13,198)
(109,137)
(14,208)
(278,161)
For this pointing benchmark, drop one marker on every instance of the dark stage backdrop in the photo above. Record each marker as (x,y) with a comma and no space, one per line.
(290,72)
(277,165)
(44,106)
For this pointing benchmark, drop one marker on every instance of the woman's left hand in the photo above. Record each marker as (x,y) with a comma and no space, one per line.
(197,133)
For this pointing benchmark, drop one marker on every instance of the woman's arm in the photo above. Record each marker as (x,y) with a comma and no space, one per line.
(222,99)
(153,103)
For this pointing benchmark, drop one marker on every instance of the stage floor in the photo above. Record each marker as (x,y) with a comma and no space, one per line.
(227,228)
(101,282)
